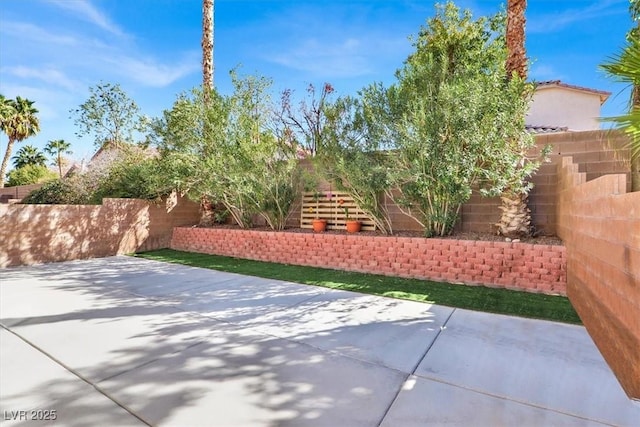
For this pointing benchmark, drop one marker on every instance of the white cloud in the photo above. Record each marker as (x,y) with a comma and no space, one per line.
(339,40)
(50,76)
(150,73)
(47,101)
(85,57)
(86,11)
(557,21)
(345,58)
(25,31)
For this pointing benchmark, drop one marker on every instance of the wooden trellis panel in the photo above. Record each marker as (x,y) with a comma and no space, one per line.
(333,211)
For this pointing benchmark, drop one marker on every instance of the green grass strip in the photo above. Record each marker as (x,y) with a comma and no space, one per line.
(479,298)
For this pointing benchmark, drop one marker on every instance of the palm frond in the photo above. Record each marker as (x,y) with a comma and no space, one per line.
(630,125)
(625,66)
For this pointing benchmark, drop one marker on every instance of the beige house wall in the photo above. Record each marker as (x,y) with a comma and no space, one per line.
(559,106)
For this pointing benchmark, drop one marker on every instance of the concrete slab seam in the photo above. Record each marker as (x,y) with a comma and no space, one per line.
(521,402)
(413,371)
(442,328)
(76,374)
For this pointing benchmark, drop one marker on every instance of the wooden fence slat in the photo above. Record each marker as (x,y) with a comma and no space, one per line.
(332,211)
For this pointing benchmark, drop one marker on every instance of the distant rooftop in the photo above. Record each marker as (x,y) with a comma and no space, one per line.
(536,130)
(557,83)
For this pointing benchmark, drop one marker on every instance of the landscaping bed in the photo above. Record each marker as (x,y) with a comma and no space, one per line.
(480,298)
(530,267)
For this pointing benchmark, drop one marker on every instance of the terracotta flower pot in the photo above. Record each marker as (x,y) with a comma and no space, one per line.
(353,226)
(319,225)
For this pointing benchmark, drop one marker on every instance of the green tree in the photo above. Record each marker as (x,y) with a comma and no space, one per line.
(68,191)
(230,151)
(29,155)
(109,115)
(29,174)
(58,148)
(624,67)
(335,134)
(18,121)
(449,118)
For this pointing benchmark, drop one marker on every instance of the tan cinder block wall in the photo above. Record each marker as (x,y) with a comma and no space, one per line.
(600,225)
(597,153)
(33,234)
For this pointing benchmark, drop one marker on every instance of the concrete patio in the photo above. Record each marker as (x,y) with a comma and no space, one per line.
(122,341)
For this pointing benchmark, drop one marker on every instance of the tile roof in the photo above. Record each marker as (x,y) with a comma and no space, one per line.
(536,129)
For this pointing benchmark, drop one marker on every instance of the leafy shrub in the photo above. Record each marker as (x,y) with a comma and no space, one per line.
(133,177)
(450,122)
(129,173)
(231,150)
(30,174)
(68,191)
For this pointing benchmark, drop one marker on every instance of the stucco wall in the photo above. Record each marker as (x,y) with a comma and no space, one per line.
(600,225)
(32,234)
(558,106)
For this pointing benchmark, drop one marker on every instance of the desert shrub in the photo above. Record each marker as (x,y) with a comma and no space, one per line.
(134,176)
(67,191)
(230,150)
(128,173)
(449,119)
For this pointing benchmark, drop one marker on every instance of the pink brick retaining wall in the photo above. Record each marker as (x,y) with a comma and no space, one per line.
(534,268)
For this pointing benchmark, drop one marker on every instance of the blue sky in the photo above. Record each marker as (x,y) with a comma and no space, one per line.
(51,51)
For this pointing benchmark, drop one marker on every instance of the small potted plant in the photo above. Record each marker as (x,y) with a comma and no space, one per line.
(319,225)
(352,225)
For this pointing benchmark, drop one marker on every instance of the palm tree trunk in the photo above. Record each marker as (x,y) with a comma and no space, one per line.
(517,58)
(634,9)
(515,220)
(60,163)
(5,161)
(207,44)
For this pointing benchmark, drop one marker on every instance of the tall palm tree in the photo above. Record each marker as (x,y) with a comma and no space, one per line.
(29,155)
(57,148)
(207,44)
(515,220)
(207,75)
(19,124)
